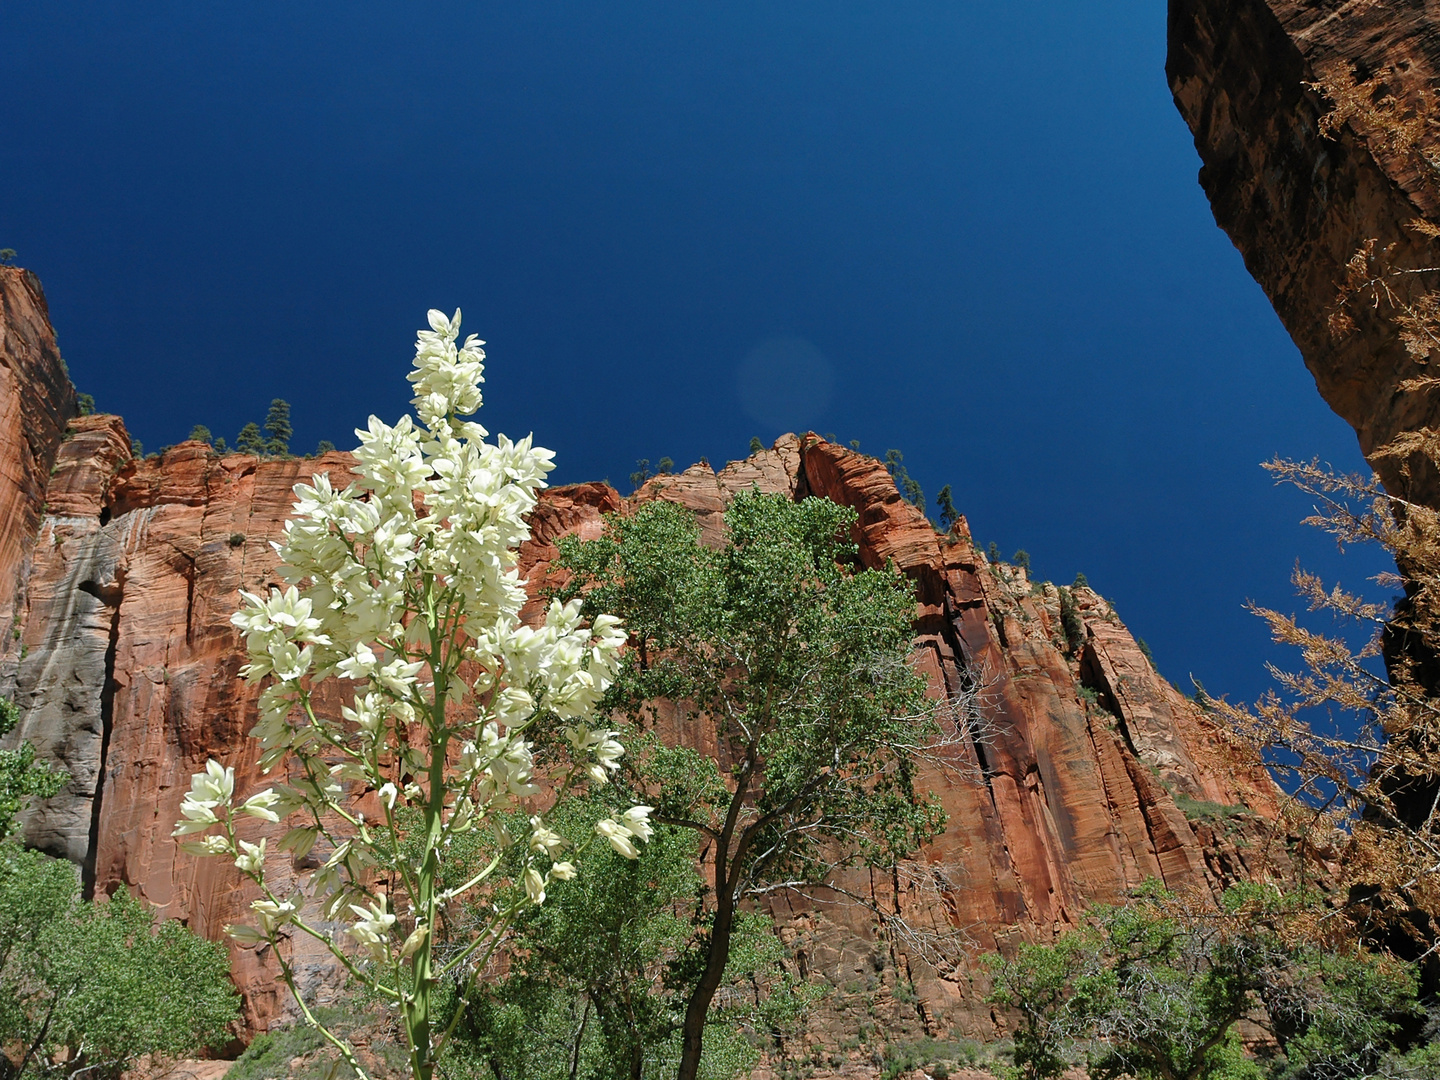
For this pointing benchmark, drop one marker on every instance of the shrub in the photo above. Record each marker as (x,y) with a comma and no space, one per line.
(1070,620)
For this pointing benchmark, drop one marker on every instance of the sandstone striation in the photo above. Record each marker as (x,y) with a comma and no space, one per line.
(1082,774)
(1298,202)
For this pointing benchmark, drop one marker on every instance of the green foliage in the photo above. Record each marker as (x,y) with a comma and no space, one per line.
(250,440)
(324,446)
(1021,559)
(1145,652)
(7,256)
(277,427)
(908,487)
(85,404)
(201,433)
(1203,810)
(1156,990)
(796,661)
(1080,582)
(642,473)
(598,989)
(237,540)
(98,985)
(1036,983)
(270,1054)
(665,465)
(992,553)
(137,448)
(1070,621)
(945,504)
(219,444)
(755,444)
(20,778)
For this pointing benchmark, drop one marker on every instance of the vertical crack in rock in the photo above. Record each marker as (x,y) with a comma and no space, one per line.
(74,603)
(107,724)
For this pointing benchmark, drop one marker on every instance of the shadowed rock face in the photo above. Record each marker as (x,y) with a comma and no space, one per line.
(1064,795)
(1298,203)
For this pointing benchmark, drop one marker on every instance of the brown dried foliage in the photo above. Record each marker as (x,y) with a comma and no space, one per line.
(1366,780)
(1409,131)
(1395,127)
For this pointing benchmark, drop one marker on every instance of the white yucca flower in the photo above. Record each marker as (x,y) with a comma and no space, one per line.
(404,585)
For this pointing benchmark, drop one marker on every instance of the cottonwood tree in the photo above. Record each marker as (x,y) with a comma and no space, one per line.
(403,587)
(596,987)
(20,778)
(797,662)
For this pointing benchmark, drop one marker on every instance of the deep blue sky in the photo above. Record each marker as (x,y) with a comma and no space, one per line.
(977,224)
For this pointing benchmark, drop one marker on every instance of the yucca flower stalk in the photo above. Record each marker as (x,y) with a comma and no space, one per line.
(404,585)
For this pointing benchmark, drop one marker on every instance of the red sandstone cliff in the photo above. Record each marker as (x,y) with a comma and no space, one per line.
(1298,203)
(36,400)
(125,669)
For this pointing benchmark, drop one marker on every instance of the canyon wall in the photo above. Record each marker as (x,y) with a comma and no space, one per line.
(1298,201)
(1085,773)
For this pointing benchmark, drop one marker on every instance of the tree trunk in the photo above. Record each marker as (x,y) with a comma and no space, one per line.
(717,957)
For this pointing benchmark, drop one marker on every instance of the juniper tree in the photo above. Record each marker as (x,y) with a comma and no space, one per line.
(201,433)
(908,487)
